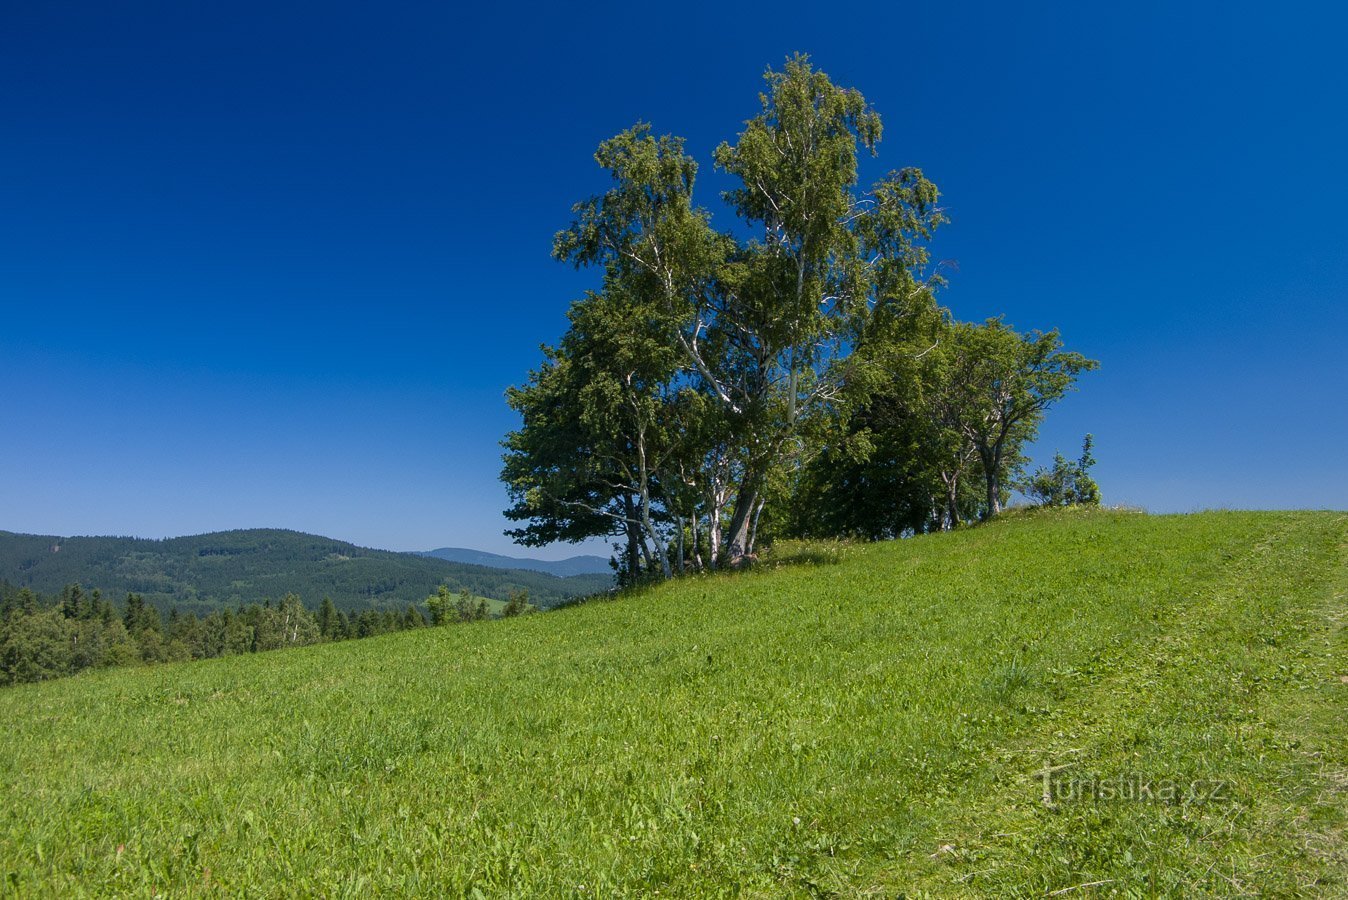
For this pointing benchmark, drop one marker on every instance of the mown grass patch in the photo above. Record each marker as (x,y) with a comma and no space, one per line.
(866,724)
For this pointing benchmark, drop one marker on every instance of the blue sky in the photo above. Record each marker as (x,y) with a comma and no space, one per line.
(275,264)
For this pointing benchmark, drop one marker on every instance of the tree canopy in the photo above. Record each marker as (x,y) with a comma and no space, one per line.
(799,364)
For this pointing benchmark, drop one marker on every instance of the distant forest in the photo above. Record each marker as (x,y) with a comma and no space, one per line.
(43,637)
(210,572)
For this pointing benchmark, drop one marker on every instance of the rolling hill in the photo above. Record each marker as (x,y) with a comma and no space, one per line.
(572,565)
(1079,704)
(205,571)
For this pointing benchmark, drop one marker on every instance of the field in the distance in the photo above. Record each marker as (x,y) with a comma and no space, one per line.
(863,721)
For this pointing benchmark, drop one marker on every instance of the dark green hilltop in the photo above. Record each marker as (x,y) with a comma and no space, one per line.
(204,572)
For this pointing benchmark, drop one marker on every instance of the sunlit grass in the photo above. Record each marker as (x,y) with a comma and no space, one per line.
(843,720)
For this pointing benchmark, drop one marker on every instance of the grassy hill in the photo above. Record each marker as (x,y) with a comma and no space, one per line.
(204,571)
(869,721)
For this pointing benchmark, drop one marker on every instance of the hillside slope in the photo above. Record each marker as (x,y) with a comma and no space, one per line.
(572,565)
(204,571)
(863,722)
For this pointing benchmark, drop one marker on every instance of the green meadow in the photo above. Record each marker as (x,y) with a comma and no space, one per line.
(842,720)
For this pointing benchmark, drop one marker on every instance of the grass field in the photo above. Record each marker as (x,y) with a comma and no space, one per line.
(856,721)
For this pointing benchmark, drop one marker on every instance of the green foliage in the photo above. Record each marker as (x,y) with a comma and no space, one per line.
(441,605)
(35,647)
(722,388)
(933,406)
(1068,483)
(447,608)
(517,605)
(688,390)
(874,728)
(287,625)
(599,423)
(329,625)
(43,638)
(1006,381)
(414,618)
(468,608)
(210,572)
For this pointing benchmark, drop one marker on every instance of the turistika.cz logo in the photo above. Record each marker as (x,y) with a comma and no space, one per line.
(1058,787)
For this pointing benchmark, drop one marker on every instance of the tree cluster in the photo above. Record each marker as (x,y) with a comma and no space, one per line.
(49,637)
(1067,482)
(795,374)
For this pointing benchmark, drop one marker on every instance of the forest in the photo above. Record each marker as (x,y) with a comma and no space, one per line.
(230,593)
(208,572)
(793,376)
(45,637)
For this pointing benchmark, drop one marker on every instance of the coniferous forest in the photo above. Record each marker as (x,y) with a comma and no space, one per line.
(206,572)
(44,637)
(233,592)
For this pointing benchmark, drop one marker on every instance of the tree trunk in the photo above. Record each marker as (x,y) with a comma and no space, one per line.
(633,533)
(645,485)
(753,529)
(952,503)
(678,523)
(714,526)
(697,546)
(649,525)
(990,455)
(646,553)
(745,502)
(994,495)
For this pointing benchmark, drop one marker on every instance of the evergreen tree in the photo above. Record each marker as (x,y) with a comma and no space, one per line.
(120,649)
(441,605)
(327,619)
(413,618)
(73,602)
(87,643)
(187,635)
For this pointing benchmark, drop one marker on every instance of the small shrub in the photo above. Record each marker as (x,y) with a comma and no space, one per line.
(1068,483)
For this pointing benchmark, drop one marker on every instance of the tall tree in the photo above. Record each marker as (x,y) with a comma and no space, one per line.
(598,425)
(327,619)
(760,326)
(1006,382)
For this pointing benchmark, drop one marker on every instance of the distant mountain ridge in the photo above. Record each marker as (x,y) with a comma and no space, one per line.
(563,568)
(225,568)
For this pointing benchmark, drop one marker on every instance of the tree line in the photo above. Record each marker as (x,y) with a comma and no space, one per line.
(49,637)
(795,375)
(201,573)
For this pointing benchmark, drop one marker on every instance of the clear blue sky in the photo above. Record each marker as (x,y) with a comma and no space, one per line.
(274,264)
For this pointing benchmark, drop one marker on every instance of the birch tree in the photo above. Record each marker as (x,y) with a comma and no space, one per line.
(761,324)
